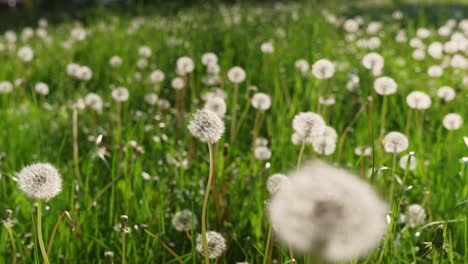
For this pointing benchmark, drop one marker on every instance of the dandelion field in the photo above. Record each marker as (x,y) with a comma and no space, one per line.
(110,100)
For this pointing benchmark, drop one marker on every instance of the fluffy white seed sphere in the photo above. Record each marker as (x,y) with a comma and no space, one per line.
(216,105)
(385,85)
(183,220)
(185,65)
(261,101)
(94,101)
(323,69)
(275,181)
(328,212)
(207,126)
(262,153)
(42,88)
(308,124)
(452,121)
(236,74)
(178,83)
(40,181)
(446,93)
(372,61)
(6,87)
(209,58)
(156,76)
(395,142)
(120,94)
(216,244)
(26,54)
(418,100)
(115,61)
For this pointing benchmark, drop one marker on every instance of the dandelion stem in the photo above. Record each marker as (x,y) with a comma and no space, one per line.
(54,231)
(165,246)
(39,232)
(234,111)
(267,246)
(205,205)
(75,148)
(392,184)
(13,245)
(124,249)
(382,117)
(301,153)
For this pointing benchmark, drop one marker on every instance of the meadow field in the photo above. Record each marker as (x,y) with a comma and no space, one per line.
(279,132)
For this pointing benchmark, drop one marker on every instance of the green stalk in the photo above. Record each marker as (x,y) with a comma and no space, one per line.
(13,245)
(234,111)
(382,117)
(301,153)
(205,205)
(267,247)
(39,232)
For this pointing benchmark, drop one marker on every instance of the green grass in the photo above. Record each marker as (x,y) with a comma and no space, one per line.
(34,128)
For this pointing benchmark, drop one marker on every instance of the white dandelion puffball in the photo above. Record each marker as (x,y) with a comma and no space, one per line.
(275,181)
(26,54)
(178,83)
(213,69)
(144,51)
(308,124)
(418,54)
(216,105)
(373,61)
(323,69)
(302,65)
(261,101)
(216,244)
(297,139)
(6,87)
(41,88)
(120,94)
(78,34)
(324,145)
(236,74)
(209,58)
(72,69)
(452,121)
(408,160)
(328,212)
(262,153)
(115,61)
(84,73)
(156,76)
(446,93)
(185,65)
(94,101)
(183,220)
(207,126)
(142,63)
(418,100)
(267,47)
(40,181)
(151,98)
(385,85)
(435,50)
(416,215)
(395,142)
(435,71)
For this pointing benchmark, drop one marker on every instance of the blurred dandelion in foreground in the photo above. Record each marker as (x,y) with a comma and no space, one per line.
(216,244)
(328,212)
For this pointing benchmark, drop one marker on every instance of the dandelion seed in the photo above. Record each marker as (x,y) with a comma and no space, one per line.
(316,213)
(182,220)
(452,121)
(206,126)
(40,181)
(395,142)
(216,244)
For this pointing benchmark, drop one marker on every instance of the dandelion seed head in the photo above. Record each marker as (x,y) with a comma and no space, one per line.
(446,93)
(144,51)
(275,181)
(115,61)
(6,87)
(26,54)
(207,126)
(385,85)
(323,69)
(209,58)
(216,244)
(267,47)
(182,220)
(261,101)
(416,215)
(435,71)
(372,61)
(156,76)
(42,88)
(185,65)
(395,142)
(408,161)
(236,75)
(452,121)
(418,100)
(94,101)
(120,94)
(302,65)
(308,124)
(178,83)
(328,212)
(151,98)
(40,181)
(262,153)
(216,105)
